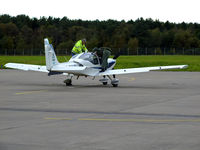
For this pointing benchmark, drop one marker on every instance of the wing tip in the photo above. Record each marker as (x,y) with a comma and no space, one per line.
(7,65)
(185,66)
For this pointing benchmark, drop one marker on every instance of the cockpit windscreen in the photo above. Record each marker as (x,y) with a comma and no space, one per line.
(90,57)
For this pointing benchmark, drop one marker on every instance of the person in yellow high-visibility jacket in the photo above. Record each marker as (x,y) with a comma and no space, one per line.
(79,47)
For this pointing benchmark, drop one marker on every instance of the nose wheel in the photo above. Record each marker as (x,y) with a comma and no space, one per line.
(114,81)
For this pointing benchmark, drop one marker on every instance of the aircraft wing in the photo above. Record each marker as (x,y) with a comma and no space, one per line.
(27,67)
(140,70)
(54,70)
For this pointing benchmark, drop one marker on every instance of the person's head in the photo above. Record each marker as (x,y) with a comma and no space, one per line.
(84,41)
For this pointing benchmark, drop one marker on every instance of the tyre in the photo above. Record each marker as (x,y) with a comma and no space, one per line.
(115,85)
(68,82)
(105,83)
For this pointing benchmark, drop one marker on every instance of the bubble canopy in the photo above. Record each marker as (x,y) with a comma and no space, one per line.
(91,57)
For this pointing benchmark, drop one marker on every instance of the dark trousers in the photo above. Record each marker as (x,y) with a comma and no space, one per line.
(106,54)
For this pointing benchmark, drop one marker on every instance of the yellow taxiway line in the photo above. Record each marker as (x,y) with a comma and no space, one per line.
(132,79)
(46,118)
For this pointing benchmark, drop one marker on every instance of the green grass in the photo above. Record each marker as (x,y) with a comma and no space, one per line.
(145,61)
(122,61)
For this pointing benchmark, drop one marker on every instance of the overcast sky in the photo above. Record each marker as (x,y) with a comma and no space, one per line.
(163,10)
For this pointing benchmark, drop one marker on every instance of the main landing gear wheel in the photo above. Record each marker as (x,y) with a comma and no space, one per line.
(68,82)
(104,80)
(115,82)
(115,85)
(105,83)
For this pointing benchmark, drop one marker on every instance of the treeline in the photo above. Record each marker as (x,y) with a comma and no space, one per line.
(22,33)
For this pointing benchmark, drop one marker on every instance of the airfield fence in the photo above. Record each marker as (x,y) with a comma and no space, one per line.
(123,51)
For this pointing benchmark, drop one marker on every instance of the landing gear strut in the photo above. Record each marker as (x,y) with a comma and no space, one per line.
(114,81)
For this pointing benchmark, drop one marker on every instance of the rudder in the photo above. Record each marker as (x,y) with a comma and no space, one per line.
(50,56)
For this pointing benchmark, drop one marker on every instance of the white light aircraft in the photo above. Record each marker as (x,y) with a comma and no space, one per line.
(84,64)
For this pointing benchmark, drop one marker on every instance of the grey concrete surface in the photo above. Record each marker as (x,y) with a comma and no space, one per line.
(148,111)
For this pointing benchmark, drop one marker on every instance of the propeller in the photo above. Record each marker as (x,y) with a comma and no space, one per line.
(117,55)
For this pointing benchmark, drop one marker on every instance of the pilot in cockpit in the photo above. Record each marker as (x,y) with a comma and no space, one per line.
(103,55)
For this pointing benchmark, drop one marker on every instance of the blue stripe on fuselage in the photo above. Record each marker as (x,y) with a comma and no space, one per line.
(110,64)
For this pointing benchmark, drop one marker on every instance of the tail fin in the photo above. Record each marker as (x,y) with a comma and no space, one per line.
(50,55)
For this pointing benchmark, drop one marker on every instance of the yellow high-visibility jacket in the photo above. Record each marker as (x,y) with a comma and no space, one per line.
(79,48)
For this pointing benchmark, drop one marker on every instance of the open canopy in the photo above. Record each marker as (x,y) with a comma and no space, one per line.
(91,57)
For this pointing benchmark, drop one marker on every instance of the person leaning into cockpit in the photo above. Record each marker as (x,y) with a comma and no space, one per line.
(79,47)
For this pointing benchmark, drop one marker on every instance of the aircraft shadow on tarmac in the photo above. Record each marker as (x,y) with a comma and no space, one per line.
(96,112)
(121,86)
